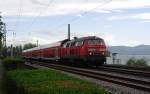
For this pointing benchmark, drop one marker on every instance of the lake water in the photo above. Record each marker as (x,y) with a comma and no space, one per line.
(122,59)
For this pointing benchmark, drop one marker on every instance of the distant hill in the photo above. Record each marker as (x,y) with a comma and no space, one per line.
(125,50)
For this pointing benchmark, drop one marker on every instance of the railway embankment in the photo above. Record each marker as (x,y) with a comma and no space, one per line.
(45,81)
(115,82)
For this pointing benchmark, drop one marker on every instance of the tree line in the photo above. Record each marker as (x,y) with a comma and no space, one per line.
(17,50)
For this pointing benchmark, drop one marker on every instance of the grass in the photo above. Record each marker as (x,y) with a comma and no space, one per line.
(48,81)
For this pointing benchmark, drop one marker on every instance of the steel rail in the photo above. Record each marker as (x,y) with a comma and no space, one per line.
(128,67)
(126,71)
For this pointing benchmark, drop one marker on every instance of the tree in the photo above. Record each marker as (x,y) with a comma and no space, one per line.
(28,46)
(131,62)
(1,35)
(16,51)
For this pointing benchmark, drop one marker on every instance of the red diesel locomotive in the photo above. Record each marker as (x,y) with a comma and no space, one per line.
(90,50)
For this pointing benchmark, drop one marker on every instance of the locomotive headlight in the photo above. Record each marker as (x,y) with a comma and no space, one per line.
(90,53)
(103,53)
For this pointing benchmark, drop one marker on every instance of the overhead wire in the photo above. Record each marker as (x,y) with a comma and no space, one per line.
(40,13)
(83,14)
(49,6)
(18,18)
(82,3)
(101,3)
(73,19)
(20,9)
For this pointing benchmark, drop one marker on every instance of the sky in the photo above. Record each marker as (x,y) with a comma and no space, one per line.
(118,22)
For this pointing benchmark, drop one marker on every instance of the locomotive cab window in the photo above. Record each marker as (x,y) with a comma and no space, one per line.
(72,44)
(95,42)
(67,45)
(79,43)
(64,45)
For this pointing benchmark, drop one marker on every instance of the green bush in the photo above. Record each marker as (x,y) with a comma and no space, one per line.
(137,62)
(11,63)
(1,57)
(131,62)
(142,62)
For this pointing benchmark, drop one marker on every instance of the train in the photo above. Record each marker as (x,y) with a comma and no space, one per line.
(90,50)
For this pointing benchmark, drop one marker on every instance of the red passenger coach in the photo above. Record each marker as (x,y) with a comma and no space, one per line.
(48,52)
(90,50)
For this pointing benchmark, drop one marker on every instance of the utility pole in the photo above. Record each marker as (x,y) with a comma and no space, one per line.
(13,44)
(37,43)
(68,31)
(11,51)
(114,57)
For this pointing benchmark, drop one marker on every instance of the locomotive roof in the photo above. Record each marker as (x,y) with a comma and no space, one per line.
(86,38)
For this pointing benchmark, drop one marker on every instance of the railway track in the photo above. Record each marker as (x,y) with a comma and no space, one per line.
(143,85)
(129,71)
(127,67)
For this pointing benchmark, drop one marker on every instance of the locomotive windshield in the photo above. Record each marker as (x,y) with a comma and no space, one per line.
(95,42)
(79,43)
